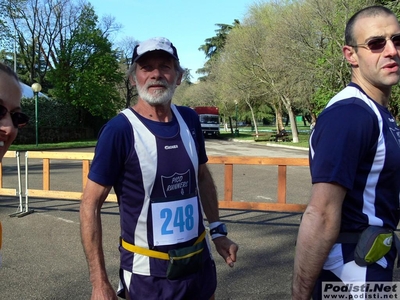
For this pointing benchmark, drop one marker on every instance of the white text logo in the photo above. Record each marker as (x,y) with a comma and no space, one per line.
(171,147)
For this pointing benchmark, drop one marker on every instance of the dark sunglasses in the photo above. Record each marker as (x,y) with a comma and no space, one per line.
(19,119)
(376,44)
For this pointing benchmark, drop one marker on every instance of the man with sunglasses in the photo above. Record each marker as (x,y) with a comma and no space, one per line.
(153,155)
(11,117)
(355,169)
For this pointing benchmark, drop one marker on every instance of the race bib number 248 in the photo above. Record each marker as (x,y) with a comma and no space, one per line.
(175,221)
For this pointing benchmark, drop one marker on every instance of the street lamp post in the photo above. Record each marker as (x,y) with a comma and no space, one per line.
(236,109)
(36,87)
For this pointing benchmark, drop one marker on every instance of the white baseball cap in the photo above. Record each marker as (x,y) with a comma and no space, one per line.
(154,44)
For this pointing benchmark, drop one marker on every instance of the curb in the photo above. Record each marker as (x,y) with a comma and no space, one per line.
(287,146)
(271,145)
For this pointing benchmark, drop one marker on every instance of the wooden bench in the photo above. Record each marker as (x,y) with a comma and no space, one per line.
(269,137)
(281,138)
(262,137)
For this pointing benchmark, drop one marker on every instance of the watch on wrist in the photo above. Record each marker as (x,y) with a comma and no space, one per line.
(220,230)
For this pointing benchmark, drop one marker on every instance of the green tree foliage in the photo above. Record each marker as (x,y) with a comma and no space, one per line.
(286,54)
(214,45)
(237,70)
(87,70)
(51,113)
(63,46)
(394,104)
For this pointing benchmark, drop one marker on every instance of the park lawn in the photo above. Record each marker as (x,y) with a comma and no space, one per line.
(246,134)
(51,146)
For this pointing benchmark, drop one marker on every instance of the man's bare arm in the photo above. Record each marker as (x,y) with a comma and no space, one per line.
(93,198)
(208,194)
(318,232)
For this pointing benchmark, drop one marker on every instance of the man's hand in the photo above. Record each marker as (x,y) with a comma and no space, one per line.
(227,249)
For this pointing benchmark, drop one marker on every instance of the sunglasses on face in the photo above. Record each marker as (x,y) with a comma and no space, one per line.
(379,43)
(19,119)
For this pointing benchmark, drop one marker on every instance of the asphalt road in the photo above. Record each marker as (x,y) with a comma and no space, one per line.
(43,256)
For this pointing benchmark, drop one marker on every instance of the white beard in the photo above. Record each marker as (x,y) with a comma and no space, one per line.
(158,96)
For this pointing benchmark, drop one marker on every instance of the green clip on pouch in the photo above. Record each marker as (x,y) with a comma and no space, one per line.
(185,261)
(373,244)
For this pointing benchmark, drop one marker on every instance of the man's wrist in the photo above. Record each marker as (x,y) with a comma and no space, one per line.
(214,225)
(218,229)
(217,235)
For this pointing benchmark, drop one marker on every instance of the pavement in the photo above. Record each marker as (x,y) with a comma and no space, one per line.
(43,256)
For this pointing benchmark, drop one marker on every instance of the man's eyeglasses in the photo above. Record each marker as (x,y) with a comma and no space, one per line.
(376,44)
(19,119)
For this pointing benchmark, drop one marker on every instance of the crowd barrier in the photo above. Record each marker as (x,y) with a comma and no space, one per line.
(85,158)
(281,162)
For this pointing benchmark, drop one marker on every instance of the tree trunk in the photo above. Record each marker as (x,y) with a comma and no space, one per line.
(278,117)
(253,117)
(292,118)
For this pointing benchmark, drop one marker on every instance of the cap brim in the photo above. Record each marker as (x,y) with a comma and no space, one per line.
(152,51)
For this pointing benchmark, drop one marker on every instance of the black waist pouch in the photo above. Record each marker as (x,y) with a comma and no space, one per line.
(373,244)
(185,261)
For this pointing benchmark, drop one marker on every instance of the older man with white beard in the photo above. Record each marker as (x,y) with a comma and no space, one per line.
(153,155)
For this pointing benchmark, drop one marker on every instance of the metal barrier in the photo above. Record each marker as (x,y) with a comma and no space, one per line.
(23,207)
(227,161)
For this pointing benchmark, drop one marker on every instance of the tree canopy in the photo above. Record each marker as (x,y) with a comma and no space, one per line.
(284,58)
(63,46)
